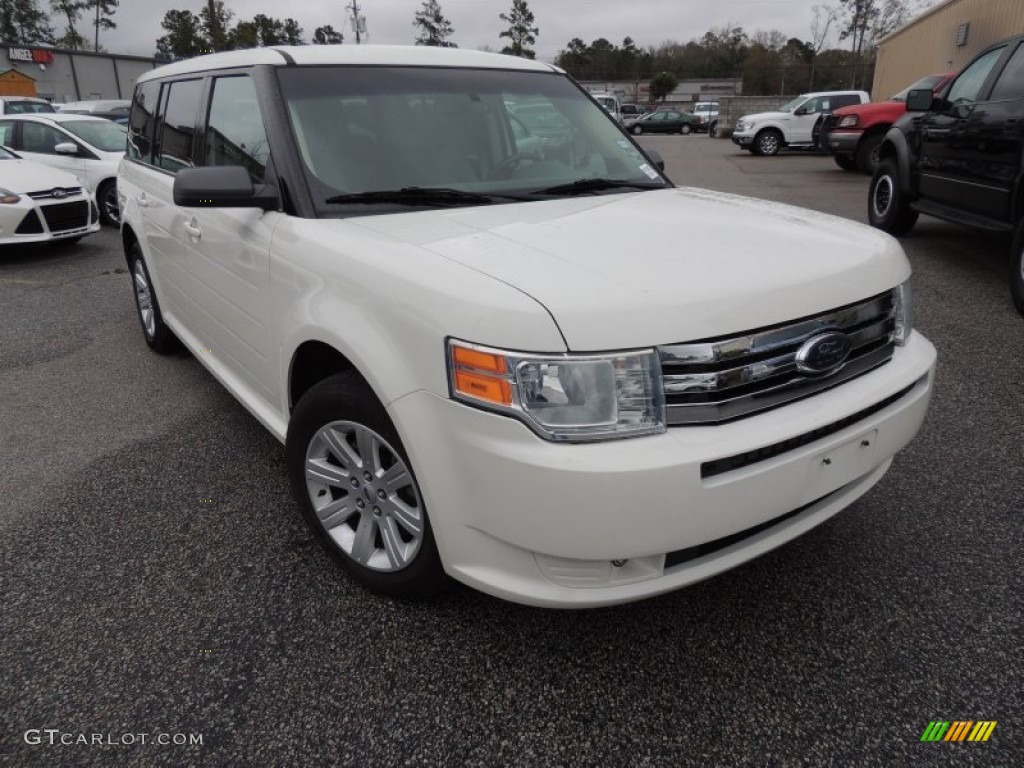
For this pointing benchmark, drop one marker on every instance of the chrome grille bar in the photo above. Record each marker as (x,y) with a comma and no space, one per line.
(720,380)
(46,194)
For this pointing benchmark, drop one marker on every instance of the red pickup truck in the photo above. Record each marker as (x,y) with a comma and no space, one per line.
(853,134)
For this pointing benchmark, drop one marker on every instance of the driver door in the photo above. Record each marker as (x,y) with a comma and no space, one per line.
(945,167)
(804,117)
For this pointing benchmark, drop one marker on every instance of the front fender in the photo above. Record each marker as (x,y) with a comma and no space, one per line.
(895,145)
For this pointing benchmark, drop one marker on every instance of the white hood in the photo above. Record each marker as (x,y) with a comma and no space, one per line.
(636,270)
(761,117)
(22,176)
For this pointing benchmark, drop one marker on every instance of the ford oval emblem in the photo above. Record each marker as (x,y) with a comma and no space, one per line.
(59,193)
(824,353)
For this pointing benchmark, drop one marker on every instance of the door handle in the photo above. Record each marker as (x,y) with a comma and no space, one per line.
(142,201)
(193,229)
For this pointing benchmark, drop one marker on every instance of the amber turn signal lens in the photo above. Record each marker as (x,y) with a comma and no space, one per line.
(487,388)
(481,361)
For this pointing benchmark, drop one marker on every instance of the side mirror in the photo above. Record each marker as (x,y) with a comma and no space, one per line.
(801,112)
(66,148)
(655,157)
(919,100)
(222,186)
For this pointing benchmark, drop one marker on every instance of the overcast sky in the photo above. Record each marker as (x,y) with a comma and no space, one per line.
(648,22)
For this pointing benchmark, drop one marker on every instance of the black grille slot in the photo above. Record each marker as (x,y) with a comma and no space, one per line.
(65,216)
(681,556)
(720,380)
(30,225)
(730,463)
(47,194)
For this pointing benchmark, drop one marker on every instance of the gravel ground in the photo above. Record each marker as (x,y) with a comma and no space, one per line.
(157,578)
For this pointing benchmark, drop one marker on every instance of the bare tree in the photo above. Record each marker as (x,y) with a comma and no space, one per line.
(825,17)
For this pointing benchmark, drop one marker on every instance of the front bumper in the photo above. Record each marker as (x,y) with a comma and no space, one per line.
(843,142)
(551,524)
(743,139)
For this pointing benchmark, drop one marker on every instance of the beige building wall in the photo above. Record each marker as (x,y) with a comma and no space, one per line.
(929,43)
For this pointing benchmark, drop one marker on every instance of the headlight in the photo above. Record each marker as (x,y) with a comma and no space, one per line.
(8,198)
(847,121)
(570,398)
(904,301)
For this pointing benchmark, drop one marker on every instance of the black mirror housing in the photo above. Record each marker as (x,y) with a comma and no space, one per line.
(801,111)
(655,157)
(222,186)
(919,100)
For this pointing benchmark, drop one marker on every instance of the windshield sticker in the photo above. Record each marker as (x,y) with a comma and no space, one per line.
(651,173)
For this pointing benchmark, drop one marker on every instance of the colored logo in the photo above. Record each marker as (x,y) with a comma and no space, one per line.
(958,730)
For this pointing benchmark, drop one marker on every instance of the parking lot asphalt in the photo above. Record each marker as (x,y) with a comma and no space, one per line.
(157,578)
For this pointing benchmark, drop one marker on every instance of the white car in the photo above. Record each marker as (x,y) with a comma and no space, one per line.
(469,378)
(89,147)
(792,124)
(40,204)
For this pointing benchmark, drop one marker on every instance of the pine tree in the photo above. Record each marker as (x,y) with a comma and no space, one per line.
(326,35)
(72,11)
(22,22)
(521,31)
(435,29)
(184,36)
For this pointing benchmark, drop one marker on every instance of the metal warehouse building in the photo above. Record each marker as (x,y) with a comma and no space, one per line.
(62,75)
(943,39)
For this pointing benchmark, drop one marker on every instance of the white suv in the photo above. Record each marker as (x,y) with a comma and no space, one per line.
(468,377)
(793,124)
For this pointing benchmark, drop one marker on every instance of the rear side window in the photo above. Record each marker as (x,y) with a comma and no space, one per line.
(844,101)
(140,130)
(234,130)
(176,147)
(1010,84)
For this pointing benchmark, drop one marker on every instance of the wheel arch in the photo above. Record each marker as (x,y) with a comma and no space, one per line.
(894,145)
(128,239)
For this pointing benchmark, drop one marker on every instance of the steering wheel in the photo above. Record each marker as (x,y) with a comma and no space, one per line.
(506,166)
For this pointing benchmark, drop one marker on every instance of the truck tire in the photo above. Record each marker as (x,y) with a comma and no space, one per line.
(888,207)
(867,153)
(1017,268)
(844,162)
(768,142)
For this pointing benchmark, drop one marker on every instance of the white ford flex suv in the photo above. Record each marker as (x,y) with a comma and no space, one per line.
(469,379)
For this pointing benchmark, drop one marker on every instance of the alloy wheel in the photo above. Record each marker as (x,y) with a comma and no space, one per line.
(364,496)
(144,299)
(881,197)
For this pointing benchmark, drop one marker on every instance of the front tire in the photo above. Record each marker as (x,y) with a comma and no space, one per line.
(768,142)
(844,162)
(158,336)
(867,153)
(352,479)
(637,130)
(888,207)
(106,200)
(1017,268)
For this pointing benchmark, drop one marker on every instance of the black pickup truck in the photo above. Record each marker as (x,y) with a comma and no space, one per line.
(959,155)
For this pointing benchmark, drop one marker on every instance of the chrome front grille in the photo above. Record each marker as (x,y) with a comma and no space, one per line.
(719,380)
(47,194)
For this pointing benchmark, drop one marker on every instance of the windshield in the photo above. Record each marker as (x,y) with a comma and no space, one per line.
(374,129)
(792,104)
(27,107)
(606,102)
(925,82)
(102,134)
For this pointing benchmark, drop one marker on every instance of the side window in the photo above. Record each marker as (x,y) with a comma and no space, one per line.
(178,126)
(7,133)
(966,87)
(844,101)
(36,137)
(659,115)
(1010,84)
(140,129)
(809,107)
(234,130)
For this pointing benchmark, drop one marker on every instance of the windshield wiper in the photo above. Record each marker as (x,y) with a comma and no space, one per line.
(430,196)
(585,186)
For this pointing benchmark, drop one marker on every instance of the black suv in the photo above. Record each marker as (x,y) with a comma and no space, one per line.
(958,155)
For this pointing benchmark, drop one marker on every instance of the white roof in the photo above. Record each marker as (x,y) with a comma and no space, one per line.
(379,55)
